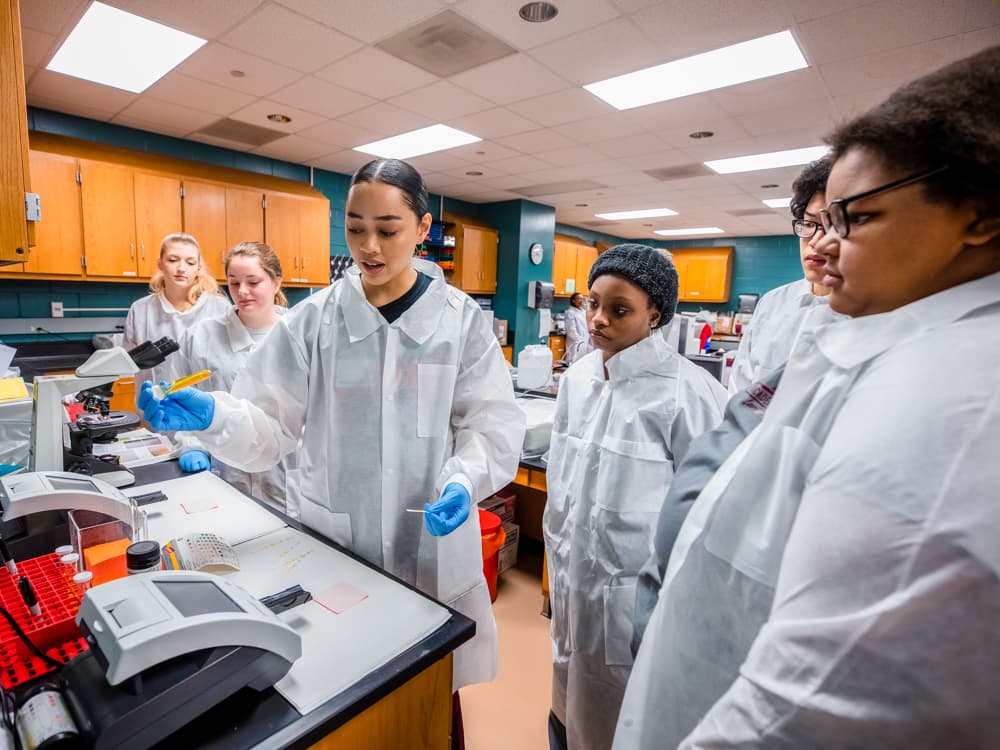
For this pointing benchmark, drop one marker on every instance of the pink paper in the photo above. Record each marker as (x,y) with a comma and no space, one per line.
(340,597)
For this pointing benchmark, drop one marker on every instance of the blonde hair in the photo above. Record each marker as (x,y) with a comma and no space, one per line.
(268,259)
(203,282)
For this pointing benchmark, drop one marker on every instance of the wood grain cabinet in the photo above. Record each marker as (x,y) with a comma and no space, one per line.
(15,234)
(571,262)
(475,257)
(58,249)
(220,216)
(704,274)
(298,228)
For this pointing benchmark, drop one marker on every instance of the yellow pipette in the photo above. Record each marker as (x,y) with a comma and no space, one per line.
(184,382)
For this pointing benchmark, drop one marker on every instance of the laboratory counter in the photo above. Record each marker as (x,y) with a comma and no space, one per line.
(404,703)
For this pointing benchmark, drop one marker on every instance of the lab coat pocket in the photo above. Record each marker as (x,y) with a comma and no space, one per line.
(435,390)
(334,526)
(619,604)
(754,514)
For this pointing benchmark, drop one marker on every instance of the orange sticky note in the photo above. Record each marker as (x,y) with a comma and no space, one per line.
(106,561)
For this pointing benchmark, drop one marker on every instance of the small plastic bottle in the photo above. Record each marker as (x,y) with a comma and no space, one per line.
(43,720)
(82,581)
(143,557)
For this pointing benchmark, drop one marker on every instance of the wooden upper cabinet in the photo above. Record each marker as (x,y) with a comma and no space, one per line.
(585,257)
(244,215)
(59,235)
(15,236)
(314,240)
(204,210)
(157,214)
(704,274)
(108,219)
(475,259)
(281,230)
(571,262)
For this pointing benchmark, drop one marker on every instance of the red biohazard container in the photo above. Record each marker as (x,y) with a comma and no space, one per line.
(491,528)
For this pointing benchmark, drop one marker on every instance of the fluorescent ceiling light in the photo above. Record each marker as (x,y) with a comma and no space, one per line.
(778,202)
(417,142)
(646,213)
(689,230)
(769,160)
(748,61)
(119,49)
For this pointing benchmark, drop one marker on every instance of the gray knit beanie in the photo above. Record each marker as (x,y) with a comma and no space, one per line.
(649,269)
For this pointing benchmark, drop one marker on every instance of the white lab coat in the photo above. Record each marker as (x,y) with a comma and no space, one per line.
(389,414)
(153,317)
(836,582)
(768,339)
(577,335)
(615,444)
(223,346)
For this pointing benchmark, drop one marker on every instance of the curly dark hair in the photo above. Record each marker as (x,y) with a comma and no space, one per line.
(950,117)
(811,180)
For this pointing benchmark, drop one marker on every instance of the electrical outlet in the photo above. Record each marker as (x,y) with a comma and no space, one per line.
(57,309)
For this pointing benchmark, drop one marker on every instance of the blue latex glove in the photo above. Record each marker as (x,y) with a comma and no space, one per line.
(195,460)
(448,513)
(187,409)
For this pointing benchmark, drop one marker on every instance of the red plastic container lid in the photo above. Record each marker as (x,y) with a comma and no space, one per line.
(489,523)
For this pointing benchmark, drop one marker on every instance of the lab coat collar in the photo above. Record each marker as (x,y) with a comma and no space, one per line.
(237,333)
(418,323)
(651,356)
(171,310)
(849,343)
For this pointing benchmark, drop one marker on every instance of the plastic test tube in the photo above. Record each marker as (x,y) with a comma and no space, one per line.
(82,582)
(72,559)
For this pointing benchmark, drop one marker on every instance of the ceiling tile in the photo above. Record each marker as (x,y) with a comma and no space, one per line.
(78,93)
(440,161)
(386,119)
(852,105)
(376,73)
(562,107)
(214,61)
(443,99)
(368,21)
(798,86)
(633,177)
(536,141)
(980,14)
(205,19)
(890,69)
(256,114)
(580,58)
(38,47)
(510,79)
(806,10)
(484,152)
(179,119)
(620,125)
(284,37)
(341,134)
(313,95)
(689,28)
(159,126)
(816,115)
(501,18)
(657,159)
(52,16)
(216,141)
(977,41)
(343,162)
(177,88)
(294,148)
(494,123)
(59,104)
(863,31)
(519,165)
(488,173)
(634,145)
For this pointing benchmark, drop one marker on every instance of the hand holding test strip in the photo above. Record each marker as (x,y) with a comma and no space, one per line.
(184,382)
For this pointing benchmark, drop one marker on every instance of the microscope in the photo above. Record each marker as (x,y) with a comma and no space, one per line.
(57,443)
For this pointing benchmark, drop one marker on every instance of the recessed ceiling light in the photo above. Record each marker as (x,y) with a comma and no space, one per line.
(645,213)
(416,142)
(778,202)
(689,230)
(278,117)
(474,174)
(748,61)
(770,160)
(699,134)
(581,205)
(237,73)
(647,225)
(538,12)
(769,185)
(123,50)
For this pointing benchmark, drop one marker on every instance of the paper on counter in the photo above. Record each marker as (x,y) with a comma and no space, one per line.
(6,357)
(544,323)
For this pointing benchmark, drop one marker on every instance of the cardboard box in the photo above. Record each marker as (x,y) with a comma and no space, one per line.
(507,557)
(500,329)
(504,504)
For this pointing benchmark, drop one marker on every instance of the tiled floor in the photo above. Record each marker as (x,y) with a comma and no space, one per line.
(512,711)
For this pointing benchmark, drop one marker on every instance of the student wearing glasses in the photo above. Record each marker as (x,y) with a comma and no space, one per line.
(768,340)
(837,581)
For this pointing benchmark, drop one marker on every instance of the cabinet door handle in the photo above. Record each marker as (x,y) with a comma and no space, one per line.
(142,250)
(222,258)
(131,250)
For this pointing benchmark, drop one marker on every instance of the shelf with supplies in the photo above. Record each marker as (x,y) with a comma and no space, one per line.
(439,247)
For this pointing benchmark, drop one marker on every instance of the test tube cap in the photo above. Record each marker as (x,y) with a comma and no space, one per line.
(71,558)
(83,578)
(64,549)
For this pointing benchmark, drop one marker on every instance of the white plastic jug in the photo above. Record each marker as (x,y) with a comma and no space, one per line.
(534,366)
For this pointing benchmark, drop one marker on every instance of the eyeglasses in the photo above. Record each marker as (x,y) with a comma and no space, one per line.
(805,229)
(834,216)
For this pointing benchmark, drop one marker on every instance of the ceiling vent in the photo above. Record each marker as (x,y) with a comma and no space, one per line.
(596,224)
(445,44)
(554,188)
(241,132)
(752,212)
(681,172)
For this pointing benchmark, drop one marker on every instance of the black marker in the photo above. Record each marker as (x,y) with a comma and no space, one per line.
(28,594)
(5,556)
